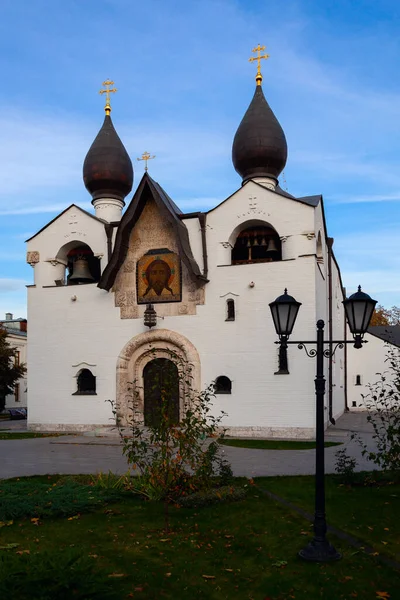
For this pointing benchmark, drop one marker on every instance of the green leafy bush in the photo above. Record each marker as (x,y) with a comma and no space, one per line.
(110,481)
(44,576)
(27,498)
(213,496)
(345,465)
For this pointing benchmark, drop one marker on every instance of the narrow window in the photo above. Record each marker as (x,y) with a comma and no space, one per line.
(86,383)
(354,404)
(16,392)
(230,310)
(17,355)
(223,385)
(358,379)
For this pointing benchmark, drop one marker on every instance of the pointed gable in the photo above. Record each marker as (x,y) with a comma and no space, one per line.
(149,189)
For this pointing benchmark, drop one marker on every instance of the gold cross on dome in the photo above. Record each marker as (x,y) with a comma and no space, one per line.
(258,58)
(107,83)
(146,156)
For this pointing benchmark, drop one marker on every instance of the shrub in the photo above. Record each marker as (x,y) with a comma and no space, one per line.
(173,459)
(44,576)
(110,481)
(345,465)
(213,496)
(383,405)
(27,498)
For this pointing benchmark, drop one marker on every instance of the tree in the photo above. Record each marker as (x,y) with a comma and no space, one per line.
(385,316)
(380,316)
(10,372)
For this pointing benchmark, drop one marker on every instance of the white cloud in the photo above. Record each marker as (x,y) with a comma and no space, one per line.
(389,197)
(12,285)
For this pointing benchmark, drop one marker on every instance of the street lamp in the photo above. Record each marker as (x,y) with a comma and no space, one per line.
(359,308)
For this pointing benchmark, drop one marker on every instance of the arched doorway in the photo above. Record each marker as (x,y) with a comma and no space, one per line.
(161,391)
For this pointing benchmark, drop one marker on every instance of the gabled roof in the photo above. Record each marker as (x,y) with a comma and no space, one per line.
(148,188)
(60,215)
(309,200)
(387,333)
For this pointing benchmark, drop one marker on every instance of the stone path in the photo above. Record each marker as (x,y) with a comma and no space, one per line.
(90,454)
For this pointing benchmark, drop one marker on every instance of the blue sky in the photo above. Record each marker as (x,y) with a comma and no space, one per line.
(184,84)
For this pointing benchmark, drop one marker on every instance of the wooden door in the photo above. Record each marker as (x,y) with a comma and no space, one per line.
(161,384)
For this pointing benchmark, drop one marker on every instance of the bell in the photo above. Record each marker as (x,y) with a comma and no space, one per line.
(248,243)
(255,243)
(272,246)
(263,242)
(81,272)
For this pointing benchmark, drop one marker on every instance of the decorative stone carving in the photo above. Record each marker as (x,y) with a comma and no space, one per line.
(129,312)
(283,238)
(309,235)
(129,266)
(183,309)
(144,347)
(80,233)
(32,257)
(226,244)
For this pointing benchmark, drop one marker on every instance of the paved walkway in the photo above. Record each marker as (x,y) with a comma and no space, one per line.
(90,454)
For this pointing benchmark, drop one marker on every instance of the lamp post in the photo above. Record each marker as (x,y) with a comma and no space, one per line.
(359,308)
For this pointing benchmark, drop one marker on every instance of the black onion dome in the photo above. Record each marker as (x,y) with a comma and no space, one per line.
(107,170)
(259,147)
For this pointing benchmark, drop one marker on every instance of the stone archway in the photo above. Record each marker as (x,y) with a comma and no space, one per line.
(143,348)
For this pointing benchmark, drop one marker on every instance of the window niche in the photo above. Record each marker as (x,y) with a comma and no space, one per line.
(230,310)
(358,380)
(222,385)
(86,383)
(257,244)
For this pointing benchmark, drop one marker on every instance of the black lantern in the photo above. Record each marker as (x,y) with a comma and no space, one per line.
(150,316)
(284,312)
(359,308)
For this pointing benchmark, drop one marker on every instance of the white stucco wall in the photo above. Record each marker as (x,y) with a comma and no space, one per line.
(367,362)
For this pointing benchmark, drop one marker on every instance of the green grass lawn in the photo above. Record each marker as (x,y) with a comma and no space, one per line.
(273,444)
(242,550)
(22,435)
(368,512)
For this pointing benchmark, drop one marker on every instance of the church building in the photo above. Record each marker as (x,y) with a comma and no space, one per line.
(116,290)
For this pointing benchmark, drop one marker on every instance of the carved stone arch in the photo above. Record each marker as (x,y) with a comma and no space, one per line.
(159,343)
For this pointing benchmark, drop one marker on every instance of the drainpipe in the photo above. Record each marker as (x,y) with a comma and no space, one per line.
(346,405)
(330,332)
(109,232)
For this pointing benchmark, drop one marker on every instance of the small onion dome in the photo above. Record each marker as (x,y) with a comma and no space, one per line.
(107,170)
(259,147)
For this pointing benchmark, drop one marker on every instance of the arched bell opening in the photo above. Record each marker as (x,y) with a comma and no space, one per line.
(83,266)
(80,264)
(258,243)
